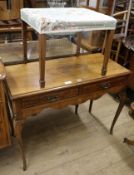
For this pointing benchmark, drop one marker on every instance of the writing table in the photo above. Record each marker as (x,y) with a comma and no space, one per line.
(69,81)
(65,81)
(65,20)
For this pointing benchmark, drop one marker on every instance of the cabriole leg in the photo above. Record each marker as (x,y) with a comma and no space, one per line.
(120,107)
(18,133)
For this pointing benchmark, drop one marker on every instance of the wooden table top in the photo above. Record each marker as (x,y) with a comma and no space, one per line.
(23,79)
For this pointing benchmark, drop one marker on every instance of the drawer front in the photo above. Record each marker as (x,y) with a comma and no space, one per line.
(103,86)
(50,97)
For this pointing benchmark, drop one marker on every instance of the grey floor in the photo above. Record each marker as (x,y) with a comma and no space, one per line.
(58,142)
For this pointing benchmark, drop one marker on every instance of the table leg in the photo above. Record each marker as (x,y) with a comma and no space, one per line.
(120,107)
(108,45)
(76,109)
(18,133)
(24,37)
(42,55)
(129,142)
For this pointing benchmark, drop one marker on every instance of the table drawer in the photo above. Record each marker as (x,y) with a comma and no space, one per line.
(50,97)
(103,85)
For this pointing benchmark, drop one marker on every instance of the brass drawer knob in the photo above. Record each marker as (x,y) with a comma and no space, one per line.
(53,98)
(105,85)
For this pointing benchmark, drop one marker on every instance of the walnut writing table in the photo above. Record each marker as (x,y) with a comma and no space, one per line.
(69,81)
(65,81)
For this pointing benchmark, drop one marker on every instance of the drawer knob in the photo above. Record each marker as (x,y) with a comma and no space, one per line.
(105,85)
(53,98)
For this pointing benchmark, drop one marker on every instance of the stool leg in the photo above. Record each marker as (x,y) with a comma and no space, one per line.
(24,36)
(18,132)
(120,107)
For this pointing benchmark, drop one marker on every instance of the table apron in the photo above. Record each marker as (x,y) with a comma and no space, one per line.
(22,111)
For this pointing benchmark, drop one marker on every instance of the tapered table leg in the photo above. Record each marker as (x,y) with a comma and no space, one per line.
(76,109)
(120,107)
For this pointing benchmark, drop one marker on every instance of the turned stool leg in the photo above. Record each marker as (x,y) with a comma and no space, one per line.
(24,37)
(120,107)
(18,133)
